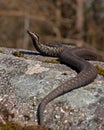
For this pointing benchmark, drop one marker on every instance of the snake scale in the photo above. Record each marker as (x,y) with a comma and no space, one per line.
(72,57)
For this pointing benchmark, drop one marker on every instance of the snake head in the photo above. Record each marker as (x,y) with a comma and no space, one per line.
(33,36)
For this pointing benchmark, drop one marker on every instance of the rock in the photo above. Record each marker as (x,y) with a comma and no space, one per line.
(25,79)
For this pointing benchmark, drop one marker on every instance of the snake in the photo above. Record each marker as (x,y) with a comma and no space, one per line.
(76,58)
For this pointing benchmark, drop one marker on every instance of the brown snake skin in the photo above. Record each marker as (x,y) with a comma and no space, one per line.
(72,57)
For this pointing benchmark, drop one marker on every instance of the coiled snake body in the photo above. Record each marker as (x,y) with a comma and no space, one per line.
(75,58)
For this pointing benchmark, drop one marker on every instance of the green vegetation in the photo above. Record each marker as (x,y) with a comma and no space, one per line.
(54,61)
(1,51)
(19,54)
(10,126)
(100,70)
(16,126)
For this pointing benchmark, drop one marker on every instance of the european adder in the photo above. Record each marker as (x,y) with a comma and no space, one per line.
(72,57)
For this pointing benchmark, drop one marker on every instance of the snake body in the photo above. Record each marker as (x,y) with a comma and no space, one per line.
(72,57)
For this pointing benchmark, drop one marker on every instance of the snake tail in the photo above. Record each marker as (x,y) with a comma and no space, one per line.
(86,74)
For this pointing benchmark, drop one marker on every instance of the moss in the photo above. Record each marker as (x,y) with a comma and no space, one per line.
(1,51)
(16,126)
(10,126)
(100,70)
(35,127)
(18,54)
(54,61)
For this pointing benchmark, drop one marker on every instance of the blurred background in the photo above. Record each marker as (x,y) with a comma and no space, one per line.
(79,22)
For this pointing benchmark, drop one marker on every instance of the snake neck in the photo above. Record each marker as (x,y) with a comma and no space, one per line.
(47,50)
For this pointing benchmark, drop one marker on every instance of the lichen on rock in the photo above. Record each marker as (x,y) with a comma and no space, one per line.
(25,81)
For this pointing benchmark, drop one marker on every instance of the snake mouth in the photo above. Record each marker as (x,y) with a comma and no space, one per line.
(33,35)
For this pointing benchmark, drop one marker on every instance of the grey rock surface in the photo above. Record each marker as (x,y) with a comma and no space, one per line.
(24,81)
